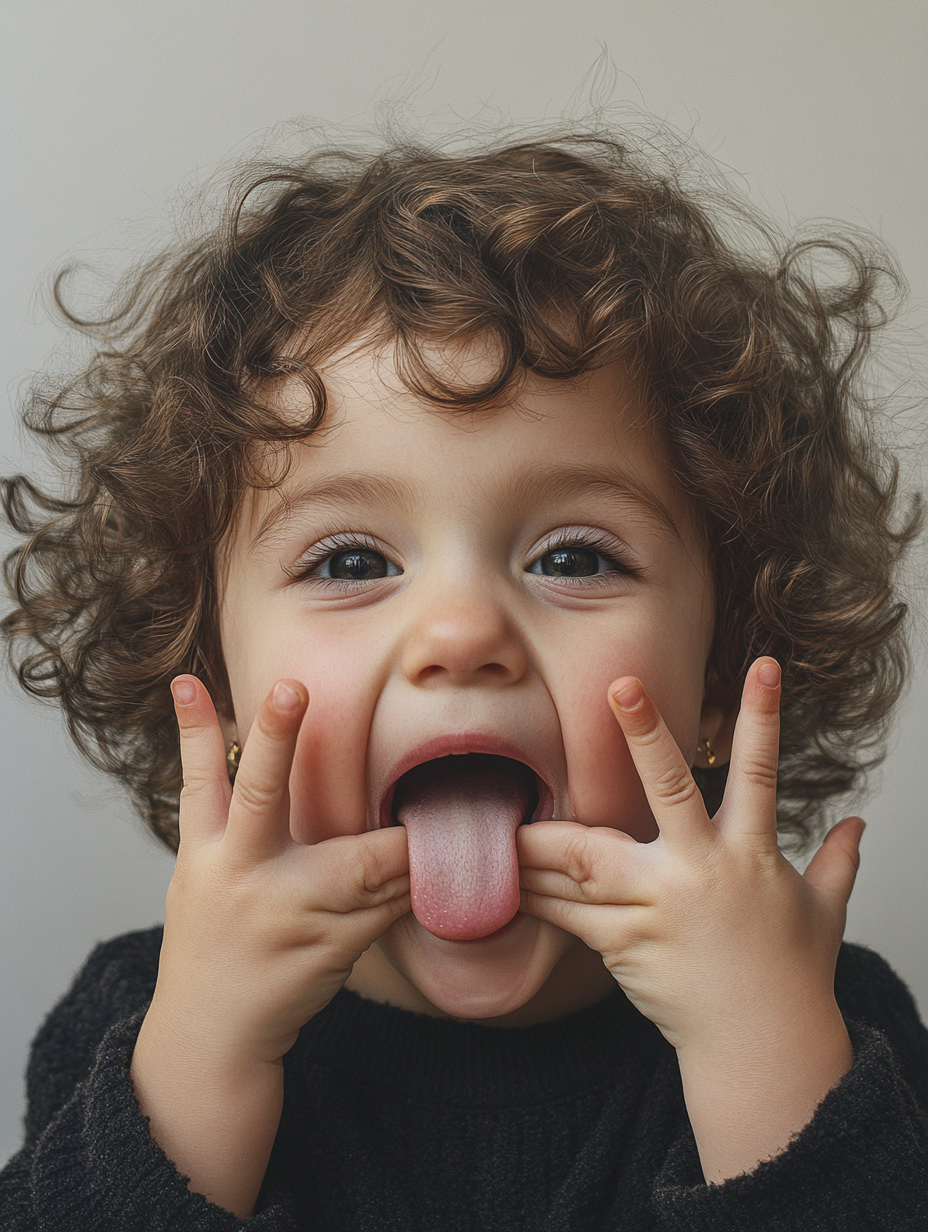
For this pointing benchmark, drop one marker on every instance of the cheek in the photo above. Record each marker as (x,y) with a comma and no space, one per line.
(604,785)
(327,780)
(327,786)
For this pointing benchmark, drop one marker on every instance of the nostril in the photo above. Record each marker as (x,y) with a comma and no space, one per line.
(492,670)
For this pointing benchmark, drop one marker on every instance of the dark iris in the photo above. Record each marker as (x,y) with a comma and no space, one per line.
(570,562)
(357,565)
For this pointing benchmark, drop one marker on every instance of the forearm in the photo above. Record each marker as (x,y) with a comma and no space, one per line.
(749,1091)
(215,1118)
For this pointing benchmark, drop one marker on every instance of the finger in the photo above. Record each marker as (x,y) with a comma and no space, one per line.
(259,814)
(750,804)
(603,929)
(675,799)
(204,800)
(356,872)
(833,868)
(578,863)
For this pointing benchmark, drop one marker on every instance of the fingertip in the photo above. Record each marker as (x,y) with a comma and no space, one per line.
(768,672)
(397,836)
(854,825)
(289,696)
(184,690)
(627,694)
(762,687)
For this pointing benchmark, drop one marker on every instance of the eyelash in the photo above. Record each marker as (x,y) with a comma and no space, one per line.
(324,550)
(608,549)
(605,547)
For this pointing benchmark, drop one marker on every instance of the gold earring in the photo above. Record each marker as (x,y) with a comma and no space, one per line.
(710,756)
(232,759)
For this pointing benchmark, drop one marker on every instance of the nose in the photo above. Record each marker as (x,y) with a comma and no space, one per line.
(462,635)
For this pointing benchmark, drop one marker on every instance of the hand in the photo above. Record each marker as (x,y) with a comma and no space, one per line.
(261,931)
(710,931)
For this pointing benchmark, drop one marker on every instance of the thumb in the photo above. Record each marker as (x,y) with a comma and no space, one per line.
(833,868)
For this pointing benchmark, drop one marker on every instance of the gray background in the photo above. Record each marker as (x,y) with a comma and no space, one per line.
(110,106)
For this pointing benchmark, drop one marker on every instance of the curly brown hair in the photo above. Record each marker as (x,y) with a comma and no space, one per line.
(569,253)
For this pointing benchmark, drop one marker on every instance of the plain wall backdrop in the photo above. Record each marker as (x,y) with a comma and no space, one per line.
(110,107)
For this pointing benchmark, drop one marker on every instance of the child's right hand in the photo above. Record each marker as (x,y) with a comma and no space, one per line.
(260,932)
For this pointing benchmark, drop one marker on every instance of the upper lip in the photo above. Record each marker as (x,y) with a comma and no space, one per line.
(459,744)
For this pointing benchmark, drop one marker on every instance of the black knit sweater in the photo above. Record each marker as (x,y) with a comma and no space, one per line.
(395,1121)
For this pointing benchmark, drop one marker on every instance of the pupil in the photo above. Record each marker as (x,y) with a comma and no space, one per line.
(570,562)
(357,565)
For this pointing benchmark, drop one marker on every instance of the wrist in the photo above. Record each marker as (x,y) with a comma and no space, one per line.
(754,1085)
(208,1039)
(214,1114)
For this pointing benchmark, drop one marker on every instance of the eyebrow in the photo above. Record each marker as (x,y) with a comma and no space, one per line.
(558,482)
(563,482)
(334,492)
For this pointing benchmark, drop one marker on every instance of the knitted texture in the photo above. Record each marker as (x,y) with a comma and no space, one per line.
(396,1122)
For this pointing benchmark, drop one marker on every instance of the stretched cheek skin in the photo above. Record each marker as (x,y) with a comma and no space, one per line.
(327,783)
(605,789)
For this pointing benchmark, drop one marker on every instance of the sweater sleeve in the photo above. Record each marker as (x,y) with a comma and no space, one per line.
(89,1161)
(862,1161)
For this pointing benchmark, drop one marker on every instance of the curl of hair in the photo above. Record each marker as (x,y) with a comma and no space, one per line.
(568,253)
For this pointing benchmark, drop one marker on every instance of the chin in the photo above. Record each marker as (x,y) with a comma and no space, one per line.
(482,979)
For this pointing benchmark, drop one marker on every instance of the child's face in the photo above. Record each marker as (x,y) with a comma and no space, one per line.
(454,583)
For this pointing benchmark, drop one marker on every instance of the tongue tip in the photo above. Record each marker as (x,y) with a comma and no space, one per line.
(463,928)
(458,921)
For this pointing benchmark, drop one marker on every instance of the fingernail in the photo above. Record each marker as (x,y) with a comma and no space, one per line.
(184,692)
(629,696)
(769,675)
(285,698)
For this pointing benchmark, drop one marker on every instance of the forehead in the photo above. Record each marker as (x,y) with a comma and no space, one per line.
(594,436)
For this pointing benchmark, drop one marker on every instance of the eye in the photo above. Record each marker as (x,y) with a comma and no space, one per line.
(357,565)
(568,562)
(583,554)
(343,559)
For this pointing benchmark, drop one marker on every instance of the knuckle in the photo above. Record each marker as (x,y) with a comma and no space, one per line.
(675,786)
(192,733)
(196,783)
(759,772)
(580,864)
(650,731)
(353,871)
(256,796)
(375,876)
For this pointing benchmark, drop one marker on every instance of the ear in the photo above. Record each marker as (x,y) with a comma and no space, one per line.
(717,723)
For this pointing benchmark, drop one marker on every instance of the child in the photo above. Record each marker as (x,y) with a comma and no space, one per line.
(472,506)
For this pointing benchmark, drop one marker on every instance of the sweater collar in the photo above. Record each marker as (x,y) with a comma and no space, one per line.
(390,1048)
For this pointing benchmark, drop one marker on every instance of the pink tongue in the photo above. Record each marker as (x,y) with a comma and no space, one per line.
(461,815)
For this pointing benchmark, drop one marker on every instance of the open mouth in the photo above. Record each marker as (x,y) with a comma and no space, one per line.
(468,776)
(461,814)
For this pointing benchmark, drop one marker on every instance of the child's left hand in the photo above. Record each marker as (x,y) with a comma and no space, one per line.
(710,931)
